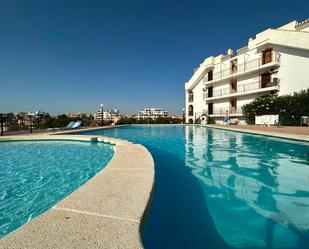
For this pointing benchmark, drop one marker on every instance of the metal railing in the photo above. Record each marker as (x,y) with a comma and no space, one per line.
(248,87)
(225,110)
(221,92)
(244,67)
(242,88)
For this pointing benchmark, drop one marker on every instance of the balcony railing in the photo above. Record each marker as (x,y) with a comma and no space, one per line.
(225,110)
(244,67)
(242,88)
(248,87)
(221,92)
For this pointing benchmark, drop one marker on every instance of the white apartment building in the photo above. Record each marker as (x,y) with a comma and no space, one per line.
(152,113)
(74,114)
(275,62)
(108,115)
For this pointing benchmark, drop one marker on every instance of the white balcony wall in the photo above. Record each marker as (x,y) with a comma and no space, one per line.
(243,100)
(220,88)
(223,103)
(294,70)
(199,103)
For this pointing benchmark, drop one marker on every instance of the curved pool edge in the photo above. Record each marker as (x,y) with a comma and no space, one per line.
(106,212)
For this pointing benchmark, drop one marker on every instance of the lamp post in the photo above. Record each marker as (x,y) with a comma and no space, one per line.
(1,123)
(102,114)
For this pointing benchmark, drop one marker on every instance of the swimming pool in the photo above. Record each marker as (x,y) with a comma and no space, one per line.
(35,175)
(223,189)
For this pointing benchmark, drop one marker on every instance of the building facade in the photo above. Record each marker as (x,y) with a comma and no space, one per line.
(107,115)
(275,62)
(152,113)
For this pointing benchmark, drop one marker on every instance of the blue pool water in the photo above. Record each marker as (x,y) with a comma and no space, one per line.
(223,189)
(35,175)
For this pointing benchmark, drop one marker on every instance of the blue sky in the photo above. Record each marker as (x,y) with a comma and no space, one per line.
(61,56)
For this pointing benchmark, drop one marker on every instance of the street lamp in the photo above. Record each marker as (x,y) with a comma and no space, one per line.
(102,114)
(1,124)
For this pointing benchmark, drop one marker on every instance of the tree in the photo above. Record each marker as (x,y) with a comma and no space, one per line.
(289,107)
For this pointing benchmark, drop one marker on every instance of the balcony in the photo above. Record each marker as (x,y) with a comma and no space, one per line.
(221,112)
(243,89)
(247,67)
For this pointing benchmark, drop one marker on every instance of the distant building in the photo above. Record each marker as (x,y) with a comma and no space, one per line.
(129,115)
(24,119)
(78,115)
(108,115)
(74,114)
(275,62)
(152,113)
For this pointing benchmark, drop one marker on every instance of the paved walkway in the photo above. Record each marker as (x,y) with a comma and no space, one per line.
(291,132)
(286,129)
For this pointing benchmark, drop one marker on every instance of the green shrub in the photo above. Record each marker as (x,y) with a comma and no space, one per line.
(210,120)
(289,107)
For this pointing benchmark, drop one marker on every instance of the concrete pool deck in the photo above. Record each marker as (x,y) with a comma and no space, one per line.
(105,212)
(302,135)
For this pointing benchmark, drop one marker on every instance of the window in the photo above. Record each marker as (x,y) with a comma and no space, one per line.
(190,97)
(233,84)
(267,54)
(190,110)
(265,80)
(209,75)
(210,92)
(210,109)
(234,66)
(233,104)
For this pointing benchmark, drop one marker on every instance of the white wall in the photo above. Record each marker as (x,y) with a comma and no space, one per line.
(294,69)
(198,101)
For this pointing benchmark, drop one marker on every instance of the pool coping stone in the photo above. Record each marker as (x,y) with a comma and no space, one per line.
(106,212)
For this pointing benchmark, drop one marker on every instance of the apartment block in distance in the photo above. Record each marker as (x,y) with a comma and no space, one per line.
(275,62)
(152,113)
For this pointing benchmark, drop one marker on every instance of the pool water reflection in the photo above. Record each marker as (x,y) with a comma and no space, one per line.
(223,189)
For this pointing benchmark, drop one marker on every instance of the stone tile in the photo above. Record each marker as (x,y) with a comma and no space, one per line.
(133,156)
(120,193)
(64,229)
(299,134)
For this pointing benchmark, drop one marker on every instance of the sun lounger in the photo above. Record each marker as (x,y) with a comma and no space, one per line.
(77,124)
(68,127)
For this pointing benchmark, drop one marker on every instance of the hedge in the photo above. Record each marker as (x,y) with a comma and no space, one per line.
(289,107)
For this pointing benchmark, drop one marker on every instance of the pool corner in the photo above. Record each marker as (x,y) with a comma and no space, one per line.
(105,212)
